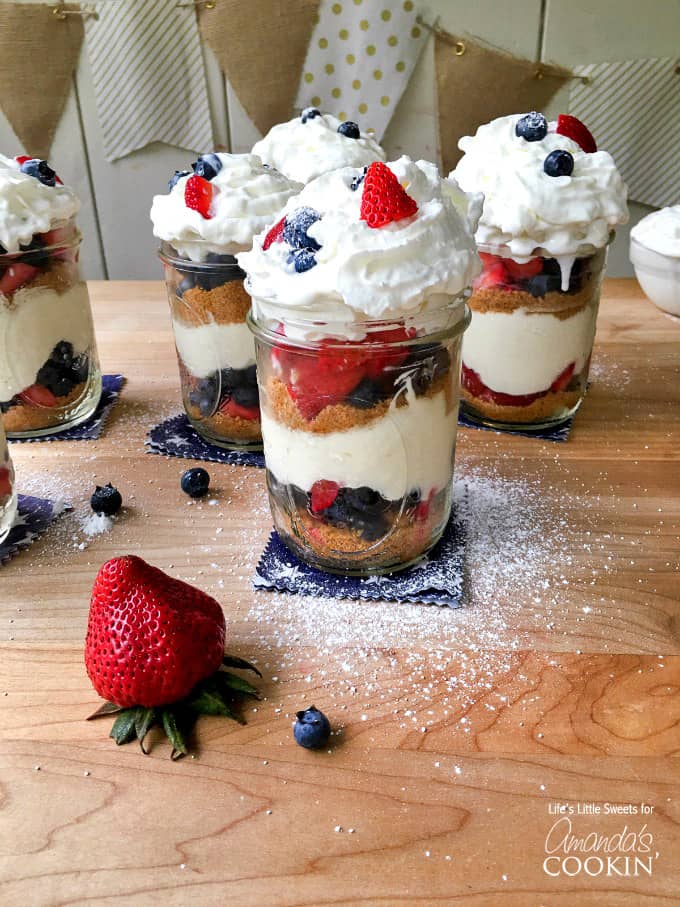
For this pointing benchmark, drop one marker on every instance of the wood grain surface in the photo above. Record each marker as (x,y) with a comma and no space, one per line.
(458,734)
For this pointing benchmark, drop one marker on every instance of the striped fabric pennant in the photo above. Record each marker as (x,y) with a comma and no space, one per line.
(633,109)
(149,78)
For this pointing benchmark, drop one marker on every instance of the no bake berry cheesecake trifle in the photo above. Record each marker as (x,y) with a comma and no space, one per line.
(358,312)
(209,214)
(49,372)
(8,497)
(315,143)
(551,202)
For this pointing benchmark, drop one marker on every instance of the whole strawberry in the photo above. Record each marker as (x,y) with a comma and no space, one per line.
(154,649)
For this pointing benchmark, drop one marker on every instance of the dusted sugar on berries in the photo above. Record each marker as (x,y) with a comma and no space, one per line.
(315,143)
(49,374)
(358,311)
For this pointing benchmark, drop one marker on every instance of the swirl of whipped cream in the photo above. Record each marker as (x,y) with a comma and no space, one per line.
(304,151)
(660,231)
(249,196)
(362,273)
(28,206)
(529,211)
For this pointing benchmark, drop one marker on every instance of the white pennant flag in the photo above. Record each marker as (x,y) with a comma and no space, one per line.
(148,74)
(633,109)
(360,60)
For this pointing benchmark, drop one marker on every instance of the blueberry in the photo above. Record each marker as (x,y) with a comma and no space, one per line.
(429,368)
(34,252)
(106,499)
(312,729)
(174,179)
(62,353)
(303,260)
(363,509)
(41,170)
(230,378)
(207,166)
(250,375)
(533,127)
(195,482)
(208,281)
(51,375)
(366,394)
(214,258)
(246,395)
(559,163)
(295,229)
(542,284)
(310,113)
(358,180)
(350,129)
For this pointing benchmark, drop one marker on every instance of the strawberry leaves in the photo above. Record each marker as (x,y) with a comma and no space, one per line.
(213,696)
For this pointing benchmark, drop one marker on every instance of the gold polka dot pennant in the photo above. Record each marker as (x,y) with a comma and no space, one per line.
(360,59)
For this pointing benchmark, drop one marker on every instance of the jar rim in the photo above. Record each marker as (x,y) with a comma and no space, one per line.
(188,264)
(447,332)
(587,251)
(71,242)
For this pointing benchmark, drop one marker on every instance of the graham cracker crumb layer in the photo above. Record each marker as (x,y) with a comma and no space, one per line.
(24,417)
(551,406)
(226,304)
(339,416)
(407,542)
(224,427)
(561,305)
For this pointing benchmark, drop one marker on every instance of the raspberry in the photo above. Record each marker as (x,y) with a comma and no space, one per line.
(323,494)
(574,129)
(383,199)
(198,195)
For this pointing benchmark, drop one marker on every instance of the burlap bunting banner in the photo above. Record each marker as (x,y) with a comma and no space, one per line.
(261,51)
(476,83)
(38,55)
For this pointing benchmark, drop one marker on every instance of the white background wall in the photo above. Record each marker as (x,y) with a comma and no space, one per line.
(117,196)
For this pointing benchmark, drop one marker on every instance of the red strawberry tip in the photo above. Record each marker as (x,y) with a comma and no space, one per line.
(574,129)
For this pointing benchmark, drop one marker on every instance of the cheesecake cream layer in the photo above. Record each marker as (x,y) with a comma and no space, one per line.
(33,324)
(521,353)
(410,447)
(208,348)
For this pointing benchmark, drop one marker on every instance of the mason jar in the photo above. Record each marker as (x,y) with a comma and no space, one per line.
(49,371)
(215,348)
(8,495)
(527,353)
(359,435)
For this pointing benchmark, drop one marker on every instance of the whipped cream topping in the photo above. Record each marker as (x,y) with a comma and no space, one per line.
(660,231)
(248,197)
(402,269)
(529,211)
(304,151)
(28,206)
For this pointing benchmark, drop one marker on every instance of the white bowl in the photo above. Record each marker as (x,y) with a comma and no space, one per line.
(658,275)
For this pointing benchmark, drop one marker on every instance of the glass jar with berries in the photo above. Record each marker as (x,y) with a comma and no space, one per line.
(8,495)
(208,215)
(551,201)
(49,371)
(358,315)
